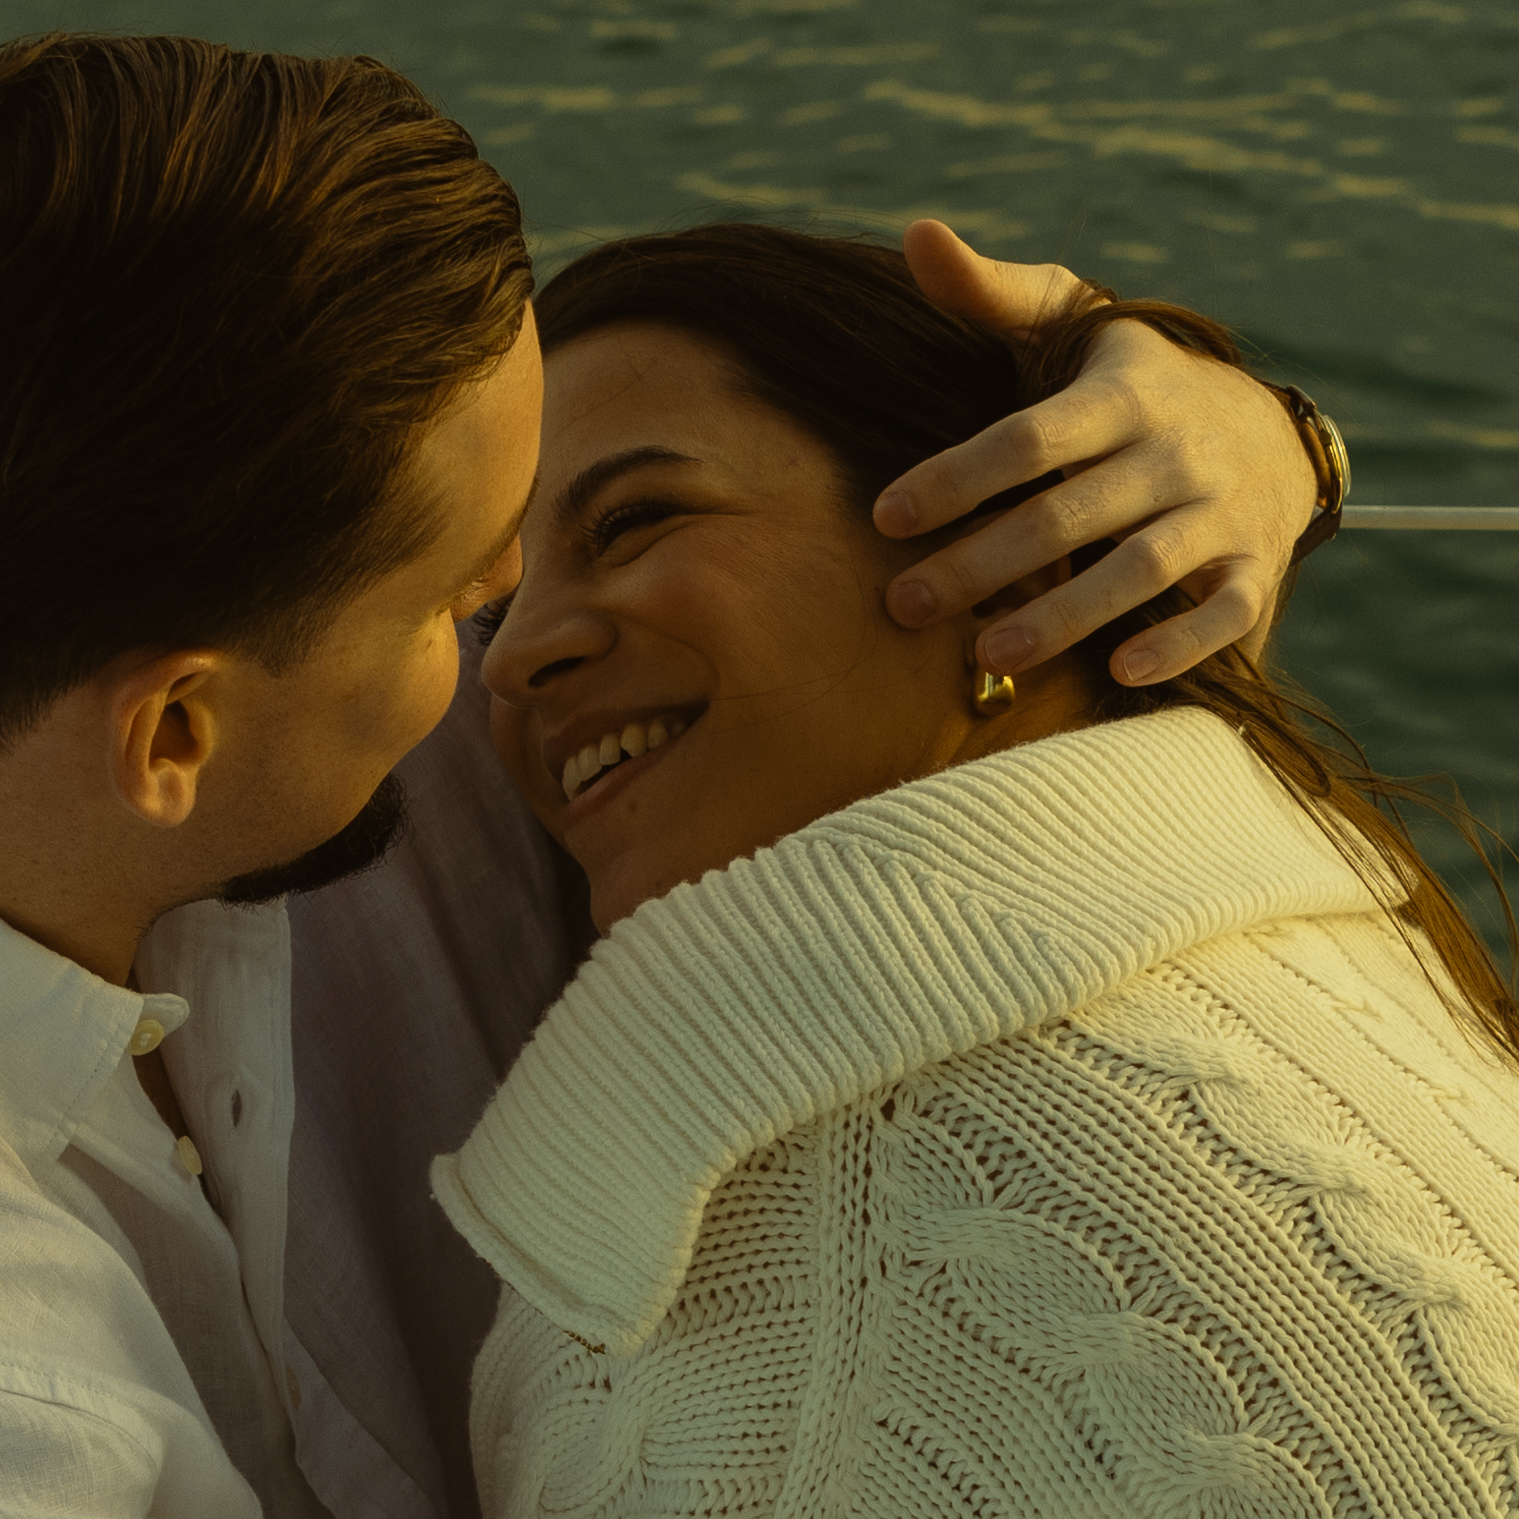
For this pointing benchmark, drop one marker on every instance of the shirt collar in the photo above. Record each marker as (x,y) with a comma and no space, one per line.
(64,1031)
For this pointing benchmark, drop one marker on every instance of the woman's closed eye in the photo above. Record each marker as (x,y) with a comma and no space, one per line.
(489,618)
(625,518)
(602,533)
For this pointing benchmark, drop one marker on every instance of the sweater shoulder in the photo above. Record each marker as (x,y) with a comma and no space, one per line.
(1258,1197)
(1302,1058)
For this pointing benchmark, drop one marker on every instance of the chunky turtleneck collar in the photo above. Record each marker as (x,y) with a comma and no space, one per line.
(897,933)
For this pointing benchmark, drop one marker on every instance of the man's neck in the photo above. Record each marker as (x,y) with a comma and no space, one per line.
(105,945)
(61,912)
(77,889)
(73,875)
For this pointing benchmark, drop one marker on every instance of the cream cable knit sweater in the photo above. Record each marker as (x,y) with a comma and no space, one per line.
(1065,1135)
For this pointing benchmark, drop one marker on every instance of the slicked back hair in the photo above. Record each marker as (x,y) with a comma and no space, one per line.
(233,288)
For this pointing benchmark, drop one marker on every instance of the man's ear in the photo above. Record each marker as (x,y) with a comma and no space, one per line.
(996,606)
(162,733)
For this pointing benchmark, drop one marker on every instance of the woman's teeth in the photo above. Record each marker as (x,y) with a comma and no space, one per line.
(637,738)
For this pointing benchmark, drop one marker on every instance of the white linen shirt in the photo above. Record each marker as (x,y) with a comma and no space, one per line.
(316,1337)
(146,1365)
(139,1337)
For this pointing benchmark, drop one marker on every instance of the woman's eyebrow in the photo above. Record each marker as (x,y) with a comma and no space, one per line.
(581,491)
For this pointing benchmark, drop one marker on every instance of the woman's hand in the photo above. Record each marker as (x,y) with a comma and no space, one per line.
(1195,467)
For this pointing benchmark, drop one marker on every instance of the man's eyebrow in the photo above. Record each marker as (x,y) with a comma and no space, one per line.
(581,491)
(492,556)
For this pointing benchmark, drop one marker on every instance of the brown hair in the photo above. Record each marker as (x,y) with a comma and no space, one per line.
(834,333)
(232,288)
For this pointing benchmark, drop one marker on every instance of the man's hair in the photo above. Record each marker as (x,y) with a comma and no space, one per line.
(233,287)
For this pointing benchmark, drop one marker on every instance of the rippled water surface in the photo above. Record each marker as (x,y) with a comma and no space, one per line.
(1340,182)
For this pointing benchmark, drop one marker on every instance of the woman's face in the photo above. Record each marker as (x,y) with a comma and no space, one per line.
(698,660)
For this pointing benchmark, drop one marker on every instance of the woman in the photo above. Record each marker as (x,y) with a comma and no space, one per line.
(1069,1101)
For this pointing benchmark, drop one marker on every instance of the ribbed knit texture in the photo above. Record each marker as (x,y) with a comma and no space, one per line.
(1064,1135)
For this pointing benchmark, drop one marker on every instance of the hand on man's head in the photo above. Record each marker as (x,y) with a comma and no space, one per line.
(1192,465)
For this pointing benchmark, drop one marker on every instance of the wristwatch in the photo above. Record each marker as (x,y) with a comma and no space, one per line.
(1331,466)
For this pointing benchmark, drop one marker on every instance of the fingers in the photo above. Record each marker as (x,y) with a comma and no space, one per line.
(1105,501)
(1197,547)
(1095,416)
(1101,411)
(1195,467)
(1011,299)
(1234,599)
(1239,606)
(1136,570)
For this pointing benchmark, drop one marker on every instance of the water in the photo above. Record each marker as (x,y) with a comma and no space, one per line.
(1339,183)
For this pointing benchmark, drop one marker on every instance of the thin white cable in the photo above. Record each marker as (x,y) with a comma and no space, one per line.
(1489,517)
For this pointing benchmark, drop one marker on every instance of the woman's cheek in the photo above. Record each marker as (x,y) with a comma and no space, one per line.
(515,737)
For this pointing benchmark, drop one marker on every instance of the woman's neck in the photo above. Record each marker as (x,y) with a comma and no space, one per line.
(1058,696)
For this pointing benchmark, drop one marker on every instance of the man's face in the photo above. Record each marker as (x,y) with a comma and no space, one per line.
(297,790)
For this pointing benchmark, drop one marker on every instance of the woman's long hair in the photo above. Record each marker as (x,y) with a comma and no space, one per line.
(833,332)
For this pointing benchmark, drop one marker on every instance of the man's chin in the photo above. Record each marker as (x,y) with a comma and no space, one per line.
(362,845)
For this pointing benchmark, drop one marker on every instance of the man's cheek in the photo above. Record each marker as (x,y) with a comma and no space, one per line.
(404,698)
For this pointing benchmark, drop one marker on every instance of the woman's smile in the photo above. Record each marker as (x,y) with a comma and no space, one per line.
(698,659)
(634,740)
(669,678)
(599,771)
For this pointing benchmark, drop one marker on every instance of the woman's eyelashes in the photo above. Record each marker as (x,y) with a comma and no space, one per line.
(606,529)
(601,534)
(489,618)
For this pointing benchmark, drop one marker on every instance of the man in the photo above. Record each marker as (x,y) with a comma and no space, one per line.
(269,398)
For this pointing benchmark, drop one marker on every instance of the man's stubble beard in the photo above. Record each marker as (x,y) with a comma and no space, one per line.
(360,846)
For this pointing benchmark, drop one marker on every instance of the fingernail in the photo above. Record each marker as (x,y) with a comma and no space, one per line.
(1138,663)
(911,602)
(895,513)
(1008,650)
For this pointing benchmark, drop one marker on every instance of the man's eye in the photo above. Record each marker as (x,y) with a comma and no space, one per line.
(607,529)
(459,607)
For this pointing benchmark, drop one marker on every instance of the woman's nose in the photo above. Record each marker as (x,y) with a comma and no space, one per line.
(535,649)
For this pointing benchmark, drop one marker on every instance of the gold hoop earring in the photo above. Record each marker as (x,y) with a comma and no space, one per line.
(992,694)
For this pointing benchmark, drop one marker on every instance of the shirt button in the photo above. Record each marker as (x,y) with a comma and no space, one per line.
(292,1382)
(189,1156)
(146,1037)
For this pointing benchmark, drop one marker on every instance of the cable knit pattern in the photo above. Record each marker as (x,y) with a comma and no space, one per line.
(1064,1135)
